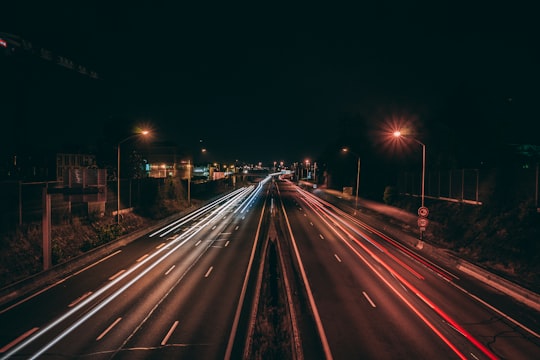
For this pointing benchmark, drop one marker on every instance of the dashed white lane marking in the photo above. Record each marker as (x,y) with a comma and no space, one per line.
(79,299)
(209,271)
(168,271)
(337,257)
(117,274)
(169,333)
(18,340)
(142,258)
(108,329)
(369,299)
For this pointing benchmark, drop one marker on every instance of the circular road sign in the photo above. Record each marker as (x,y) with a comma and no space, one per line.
(423,222)
(423,211)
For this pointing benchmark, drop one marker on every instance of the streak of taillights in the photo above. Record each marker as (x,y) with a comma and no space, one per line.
(415,291)
(324,212)
(433,267)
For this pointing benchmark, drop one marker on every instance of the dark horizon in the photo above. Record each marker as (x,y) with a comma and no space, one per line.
(271,85)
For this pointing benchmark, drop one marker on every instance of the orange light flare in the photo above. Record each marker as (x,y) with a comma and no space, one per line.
(145,129)
(392,131)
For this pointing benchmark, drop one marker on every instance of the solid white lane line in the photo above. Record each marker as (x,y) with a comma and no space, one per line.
(108,329)
(79,299)
(168,271)
(142,258)
(18,340)
(227,243)
(117,274)
(166,338)
(337,257)
(209,271)
(369,299)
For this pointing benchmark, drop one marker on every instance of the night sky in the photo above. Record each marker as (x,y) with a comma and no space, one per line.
(264,81)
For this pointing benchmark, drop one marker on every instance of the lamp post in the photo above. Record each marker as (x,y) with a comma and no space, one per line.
(423,211)
(145,132)
(399,134)
(346,150)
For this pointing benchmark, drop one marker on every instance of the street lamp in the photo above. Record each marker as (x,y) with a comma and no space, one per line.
(144,132)
(346,150)
(423,211)
(399,134)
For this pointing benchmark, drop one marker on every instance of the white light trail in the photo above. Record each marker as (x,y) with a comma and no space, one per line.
(164,252)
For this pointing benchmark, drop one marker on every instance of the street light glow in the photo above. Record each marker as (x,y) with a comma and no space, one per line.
(397,133)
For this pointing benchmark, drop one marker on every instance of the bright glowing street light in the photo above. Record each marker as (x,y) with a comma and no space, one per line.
(346,150)
(398,134)
(144,133)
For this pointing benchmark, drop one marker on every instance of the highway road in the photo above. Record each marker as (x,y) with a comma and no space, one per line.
(378,299)
(174,293)
(185,290)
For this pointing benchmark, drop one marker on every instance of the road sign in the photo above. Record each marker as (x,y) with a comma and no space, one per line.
(422,222)
(423,211)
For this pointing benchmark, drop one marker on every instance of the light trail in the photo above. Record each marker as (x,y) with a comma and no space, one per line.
(160,255)
(414,290)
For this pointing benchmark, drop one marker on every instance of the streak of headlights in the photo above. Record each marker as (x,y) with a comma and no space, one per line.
(250,198)
(150,262)
(176,224)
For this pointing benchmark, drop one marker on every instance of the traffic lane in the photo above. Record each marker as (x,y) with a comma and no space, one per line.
(145,339)
(195,321)
(476,315)
(354,327)
(85,294)
(503,302)
(140,292)
(51,302)
(119,283)
(209,292)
